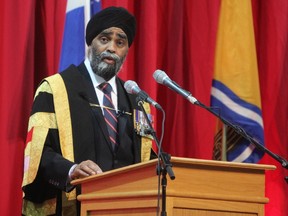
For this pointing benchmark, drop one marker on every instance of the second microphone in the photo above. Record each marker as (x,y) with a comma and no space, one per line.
(132,88)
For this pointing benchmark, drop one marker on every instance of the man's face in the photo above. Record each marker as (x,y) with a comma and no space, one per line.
(108,51)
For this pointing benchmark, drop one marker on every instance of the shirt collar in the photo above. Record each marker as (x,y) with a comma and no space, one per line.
(97,80)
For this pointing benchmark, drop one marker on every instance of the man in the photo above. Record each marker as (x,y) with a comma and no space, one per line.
(82,120)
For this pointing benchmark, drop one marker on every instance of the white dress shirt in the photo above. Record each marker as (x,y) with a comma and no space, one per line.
(97,80)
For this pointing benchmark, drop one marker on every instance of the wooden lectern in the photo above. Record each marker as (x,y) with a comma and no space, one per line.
(201,188)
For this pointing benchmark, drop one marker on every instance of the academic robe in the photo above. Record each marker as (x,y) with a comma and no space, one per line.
(67,127)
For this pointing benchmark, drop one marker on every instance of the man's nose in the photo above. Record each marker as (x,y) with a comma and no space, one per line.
(112,47)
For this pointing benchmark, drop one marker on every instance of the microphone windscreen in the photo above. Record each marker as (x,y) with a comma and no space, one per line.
(160,76)
(131,87)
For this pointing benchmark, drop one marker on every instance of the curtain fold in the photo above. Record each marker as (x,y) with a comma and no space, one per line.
(271,33)
(16,89)
(177,36)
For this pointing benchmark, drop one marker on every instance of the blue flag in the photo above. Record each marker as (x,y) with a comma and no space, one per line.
(73,46)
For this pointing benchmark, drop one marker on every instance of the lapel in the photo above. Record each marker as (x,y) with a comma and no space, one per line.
(123,106)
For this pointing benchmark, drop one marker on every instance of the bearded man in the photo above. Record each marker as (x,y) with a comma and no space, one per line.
(82,121)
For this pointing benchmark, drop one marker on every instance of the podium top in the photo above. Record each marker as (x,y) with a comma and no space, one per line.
(179,162)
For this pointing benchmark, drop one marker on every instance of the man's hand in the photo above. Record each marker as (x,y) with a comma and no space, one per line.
(84,169)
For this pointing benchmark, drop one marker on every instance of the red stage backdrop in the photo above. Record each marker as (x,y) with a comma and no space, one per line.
(177,36)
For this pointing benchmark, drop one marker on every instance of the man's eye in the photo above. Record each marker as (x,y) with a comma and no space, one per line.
(103,39)
(120,43)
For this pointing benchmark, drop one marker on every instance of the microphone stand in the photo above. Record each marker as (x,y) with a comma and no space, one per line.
(165,159)
(243,133)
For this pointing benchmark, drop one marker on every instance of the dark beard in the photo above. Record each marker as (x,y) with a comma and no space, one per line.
(101,68)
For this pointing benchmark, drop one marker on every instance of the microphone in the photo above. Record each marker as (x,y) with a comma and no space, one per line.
(162,78)
(132,88)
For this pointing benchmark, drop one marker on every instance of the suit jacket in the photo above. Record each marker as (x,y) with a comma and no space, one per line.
(81,96)
(90,135)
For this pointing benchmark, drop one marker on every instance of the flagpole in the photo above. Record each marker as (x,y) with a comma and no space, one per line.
(224,143)
(87,16)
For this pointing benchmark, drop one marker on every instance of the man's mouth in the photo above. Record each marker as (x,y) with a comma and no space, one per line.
(108,60)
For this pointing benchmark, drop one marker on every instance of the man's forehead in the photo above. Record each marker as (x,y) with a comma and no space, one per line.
(113,30)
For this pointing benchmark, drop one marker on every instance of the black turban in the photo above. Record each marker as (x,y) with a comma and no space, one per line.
(111,17)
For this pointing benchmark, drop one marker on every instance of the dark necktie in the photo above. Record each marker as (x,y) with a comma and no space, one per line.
(110,115)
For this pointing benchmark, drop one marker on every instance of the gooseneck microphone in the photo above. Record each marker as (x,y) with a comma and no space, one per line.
(132,88)
(162,78)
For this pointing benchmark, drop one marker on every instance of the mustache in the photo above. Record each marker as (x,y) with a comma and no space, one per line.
(106,54)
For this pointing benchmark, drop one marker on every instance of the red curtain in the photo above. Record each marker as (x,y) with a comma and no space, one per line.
(177,36)
(30,38)
(271,28)
(16,84)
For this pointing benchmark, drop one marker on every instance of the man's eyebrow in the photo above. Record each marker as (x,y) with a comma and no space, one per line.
(122,36)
